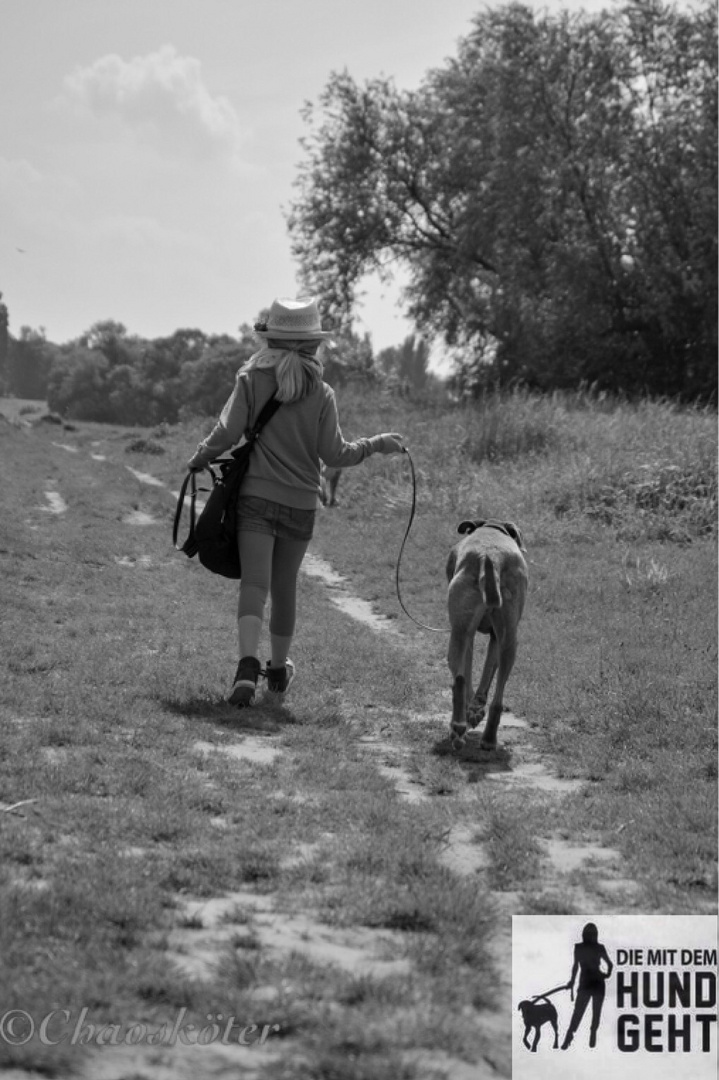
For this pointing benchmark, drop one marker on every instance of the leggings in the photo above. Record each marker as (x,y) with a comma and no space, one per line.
(270,564)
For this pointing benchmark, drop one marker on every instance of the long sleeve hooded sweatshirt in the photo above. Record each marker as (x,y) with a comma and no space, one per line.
(284,465)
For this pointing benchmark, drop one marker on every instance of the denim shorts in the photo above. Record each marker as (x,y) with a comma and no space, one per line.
(275,519)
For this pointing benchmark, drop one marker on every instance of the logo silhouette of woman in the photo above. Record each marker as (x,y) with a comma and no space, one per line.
(588,955)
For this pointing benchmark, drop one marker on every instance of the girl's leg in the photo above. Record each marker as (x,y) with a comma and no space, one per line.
(286,561)
(256,549)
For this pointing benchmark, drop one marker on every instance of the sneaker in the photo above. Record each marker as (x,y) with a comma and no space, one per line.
(242,694)
(280,679)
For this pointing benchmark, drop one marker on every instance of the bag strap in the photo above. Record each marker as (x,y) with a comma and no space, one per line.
(268,410)
(266,413)
(190,542)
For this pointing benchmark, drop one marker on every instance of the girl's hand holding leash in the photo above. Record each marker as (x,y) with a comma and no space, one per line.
(392,443)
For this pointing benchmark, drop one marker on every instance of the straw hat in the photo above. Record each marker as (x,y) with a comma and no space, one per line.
(297,320)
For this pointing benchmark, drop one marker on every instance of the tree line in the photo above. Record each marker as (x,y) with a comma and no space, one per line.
(550,191)
(109,375)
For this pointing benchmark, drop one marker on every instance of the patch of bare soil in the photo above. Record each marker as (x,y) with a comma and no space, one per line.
(215,923)
(255,748)
(142,561)
(145,478)
(341,596)
(182,1062)
(140,517)
(209,934)
(57,504)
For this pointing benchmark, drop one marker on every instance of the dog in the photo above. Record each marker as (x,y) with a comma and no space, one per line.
(534,1015)
(329,479)
(488,581)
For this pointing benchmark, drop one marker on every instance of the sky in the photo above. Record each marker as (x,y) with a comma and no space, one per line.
(148,150)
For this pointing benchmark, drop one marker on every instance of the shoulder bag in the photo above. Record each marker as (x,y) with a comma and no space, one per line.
(213,535)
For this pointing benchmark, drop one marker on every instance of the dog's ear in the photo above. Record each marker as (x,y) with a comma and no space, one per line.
(465,527)
(516,534)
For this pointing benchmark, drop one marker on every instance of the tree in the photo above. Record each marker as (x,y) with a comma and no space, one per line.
(208,381)
(29,360)
(532,187)
(4,346)
(77,384)
(109,376)
(349,358)
(161,364)
(108,337)
(407,362)
(670,252)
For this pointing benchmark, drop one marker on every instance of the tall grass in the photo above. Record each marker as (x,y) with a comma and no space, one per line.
(647,469)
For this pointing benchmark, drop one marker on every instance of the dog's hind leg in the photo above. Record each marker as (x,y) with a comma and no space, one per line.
(478,704)
(507,650)
(464,607)
(459,659)
(488,585)
(458,726)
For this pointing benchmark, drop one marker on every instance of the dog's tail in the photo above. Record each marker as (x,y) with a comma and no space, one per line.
(482,568)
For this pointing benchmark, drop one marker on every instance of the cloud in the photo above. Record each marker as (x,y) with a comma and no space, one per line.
(162,99)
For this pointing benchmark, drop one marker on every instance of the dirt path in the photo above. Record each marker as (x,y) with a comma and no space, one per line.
(587,875)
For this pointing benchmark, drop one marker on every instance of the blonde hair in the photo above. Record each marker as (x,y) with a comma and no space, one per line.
(299,371)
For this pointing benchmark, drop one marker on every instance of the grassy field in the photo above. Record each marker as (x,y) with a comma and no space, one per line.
(327,870)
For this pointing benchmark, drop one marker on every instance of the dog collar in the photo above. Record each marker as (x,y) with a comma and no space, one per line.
(471,526)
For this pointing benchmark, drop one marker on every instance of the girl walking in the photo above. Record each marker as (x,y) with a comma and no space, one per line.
(281,490)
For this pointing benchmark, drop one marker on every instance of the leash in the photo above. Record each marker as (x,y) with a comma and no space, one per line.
(424,626)
(190,544)
(549,993)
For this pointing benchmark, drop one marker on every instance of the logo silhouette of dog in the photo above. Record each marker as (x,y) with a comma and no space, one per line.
(536,1012)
